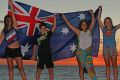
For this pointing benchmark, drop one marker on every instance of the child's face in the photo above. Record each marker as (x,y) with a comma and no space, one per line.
(107,22)
(84,26)
(42,29)
(8,21)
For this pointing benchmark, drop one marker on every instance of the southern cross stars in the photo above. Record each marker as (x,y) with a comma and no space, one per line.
(65,30)
(82,16)
(25,49)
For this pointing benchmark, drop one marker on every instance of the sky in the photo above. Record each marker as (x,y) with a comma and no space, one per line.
(110,8)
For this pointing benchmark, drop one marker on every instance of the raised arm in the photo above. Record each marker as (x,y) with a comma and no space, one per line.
(1,38)
(75,30)
(92,20)
(99,17)
(13,15)
(118,26)
(54,24)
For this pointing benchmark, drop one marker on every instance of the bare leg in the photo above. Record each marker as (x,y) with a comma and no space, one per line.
(10,66)
(90,67)
(81,73)
(107,62)
(20,67)
(51,73)
(34,56)
(115,68)
(91,71)
(38,73)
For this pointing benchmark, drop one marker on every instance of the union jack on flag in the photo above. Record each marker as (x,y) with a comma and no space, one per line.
(30,17)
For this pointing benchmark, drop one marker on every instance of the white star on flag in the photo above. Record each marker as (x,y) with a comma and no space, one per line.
(25,49)
(65,30)
(82,16)
(73,47)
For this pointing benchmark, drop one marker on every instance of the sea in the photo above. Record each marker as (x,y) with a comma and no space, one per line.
(60,73)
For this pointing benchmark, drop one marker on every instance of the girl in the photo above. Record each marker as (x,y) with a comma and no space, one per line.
(13,50)
(83,54)
(109,44)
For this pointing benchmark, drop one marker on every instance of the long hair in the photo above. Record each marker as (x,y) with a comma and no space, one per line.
(79,26)
(5,25)
(110,21)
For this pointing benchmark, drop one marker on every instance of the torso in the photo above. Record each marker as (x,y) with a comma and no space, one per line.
(109,41)
(14,45)
(44,42)
(85,39)
(11,38)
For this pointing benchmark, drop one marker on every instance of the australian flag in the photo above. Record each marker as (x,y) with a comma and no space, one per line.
(63,41)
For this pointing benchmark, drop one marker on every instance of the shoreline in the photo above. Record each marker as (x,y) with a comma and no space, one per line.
(97,61)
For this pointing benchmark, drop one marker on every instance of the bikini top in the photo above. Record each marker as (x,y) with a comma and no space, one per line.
(11,36)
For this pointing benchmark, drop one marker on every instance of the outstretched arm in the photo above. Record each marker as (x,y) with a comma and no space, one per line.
(75,30)
(54,24)
(92,20)
(118,26)
(13,15)
(99,17)
(1,37)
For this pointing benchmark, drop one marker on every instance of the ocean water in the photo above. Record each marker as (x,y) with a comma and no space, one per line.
(61,73)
